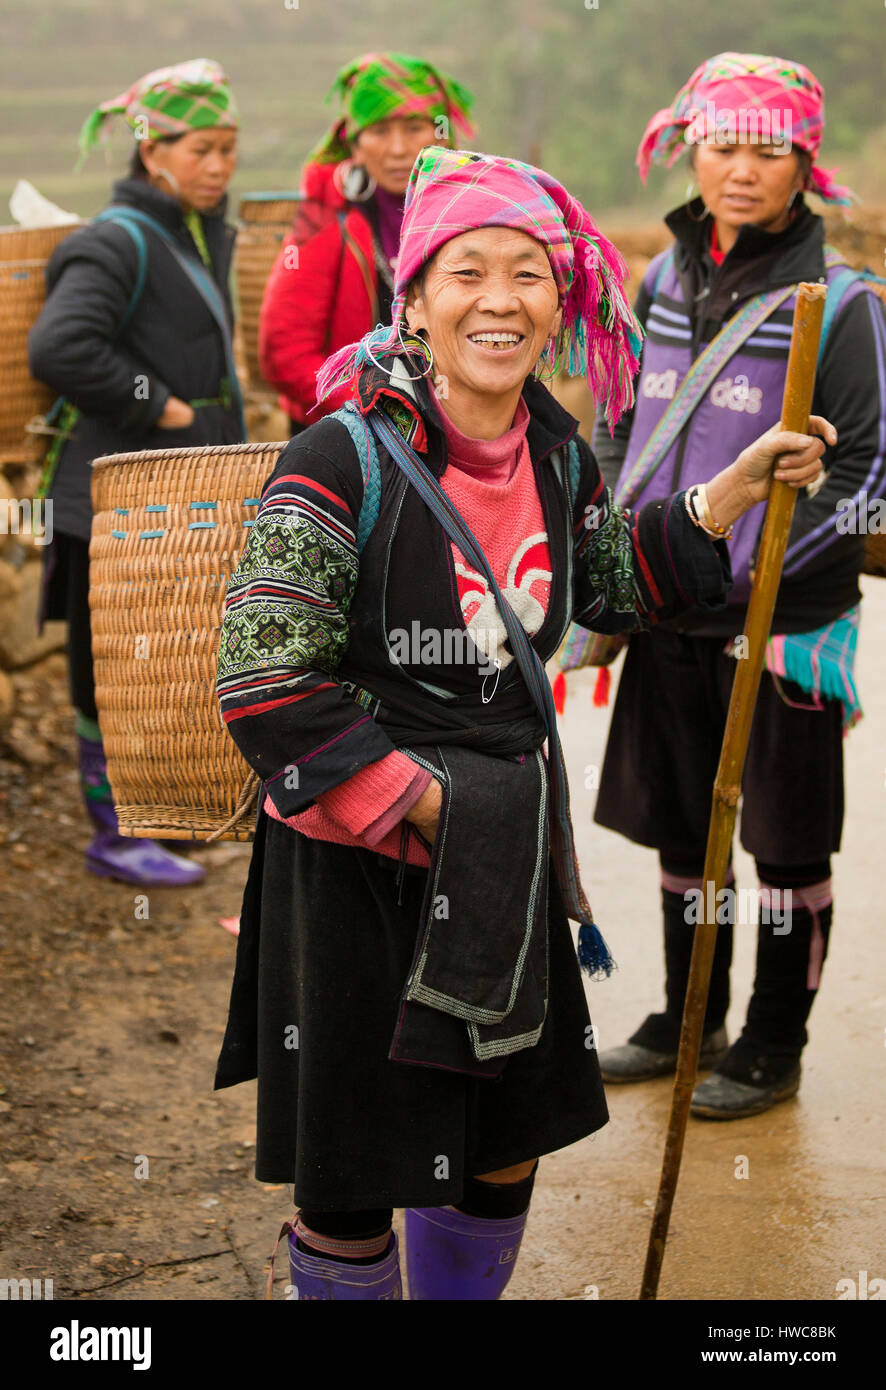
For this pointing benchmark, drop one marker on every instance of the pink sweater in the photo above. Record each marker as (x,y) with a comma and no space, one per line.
(493,485)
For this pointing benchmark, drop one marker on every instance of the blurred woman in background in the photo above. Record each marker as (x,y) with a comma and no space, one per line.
(135,336)
(334,277)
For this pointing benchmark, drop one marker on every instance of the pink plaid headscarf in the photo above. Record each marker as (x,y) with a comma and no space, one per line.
(454,191)
(743,86)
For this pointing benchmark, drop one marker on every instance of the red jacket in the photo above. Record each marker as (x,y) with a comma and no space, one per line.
(325,299)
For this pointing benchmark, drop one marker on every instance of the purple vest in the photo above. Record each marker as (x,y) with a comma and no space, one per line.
(743,402)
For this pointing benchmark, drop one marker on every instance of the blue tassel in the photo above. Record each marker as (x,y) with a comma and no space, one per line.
(593,953)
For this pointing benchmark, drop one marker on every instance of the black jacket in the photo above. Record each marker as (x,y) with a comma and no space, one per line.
(850,391)
(325,611)
(307,634)
(171,347)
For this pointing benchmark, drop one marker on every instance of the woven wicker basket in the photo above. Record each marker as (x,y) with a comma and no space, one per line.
(168,530)
(265,219)
(23,256)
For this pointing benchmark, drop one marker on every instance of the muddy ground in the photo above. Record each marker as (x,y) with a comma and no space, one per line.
(125,1177)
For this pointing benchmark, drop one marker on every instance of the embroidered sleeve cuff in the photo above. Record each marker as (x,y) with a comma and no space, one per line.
(296,785)
(678,565)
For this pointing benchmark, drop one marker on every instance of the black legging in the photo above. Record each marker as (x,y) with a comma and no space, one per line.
(491,1200)
(71,559)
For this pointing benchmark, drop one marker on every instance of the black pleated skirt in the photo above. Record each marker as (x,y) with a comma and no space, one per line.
(323,954)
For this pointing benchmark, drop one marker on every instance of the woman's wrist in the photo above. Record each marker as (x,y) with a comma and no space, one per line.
(728,496)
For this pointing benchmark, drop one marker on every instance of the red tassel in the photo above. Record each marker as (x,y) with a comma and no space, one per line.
(601,688)
(559,689)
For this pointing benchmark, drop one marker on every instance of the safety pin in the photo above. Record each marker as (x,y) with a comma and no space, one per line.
(487,698)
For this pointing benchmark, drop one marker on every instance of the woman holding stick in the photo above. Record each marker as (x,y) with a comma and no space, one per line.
(754,125)
(406,987)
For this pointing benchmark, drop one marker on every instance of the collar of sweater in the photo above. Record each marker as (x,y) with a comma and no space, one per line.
(758,260)
(138,193)
(487,460)
(412,409)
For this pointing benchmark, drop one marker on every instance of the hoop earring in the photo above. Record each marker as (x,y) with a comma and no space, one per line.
(425,347)
(792,199)
(549,370)
(390,371)
(353,182)
(170,179)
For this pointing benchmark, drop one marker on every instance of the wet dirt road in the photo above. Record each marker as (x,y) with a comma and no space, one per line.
(124,1177)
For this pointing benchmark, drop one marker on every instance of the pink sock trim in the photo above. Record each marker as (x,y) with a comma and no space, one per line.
(675,883)
(815,897)
(348,1249)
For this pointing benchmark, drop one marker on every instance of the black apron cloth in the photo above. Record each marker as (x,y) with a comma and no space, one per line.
(325,949)
(664,747)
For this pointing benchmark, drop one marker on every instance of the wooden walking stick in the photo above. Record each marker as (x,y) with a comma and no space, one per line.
(779,511)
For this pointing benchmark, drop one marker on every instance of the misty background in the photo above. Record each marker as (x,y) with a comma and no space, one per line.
(556,82)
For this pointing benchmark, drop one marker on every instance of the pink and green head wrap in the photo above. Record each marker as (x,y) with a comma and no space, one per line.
(379,85)
(454,191)
(169,101)
(741,95)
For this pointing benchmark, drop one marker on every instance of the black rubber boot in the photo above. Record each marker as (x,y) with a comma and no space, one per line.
(763,1065)
(652,1050)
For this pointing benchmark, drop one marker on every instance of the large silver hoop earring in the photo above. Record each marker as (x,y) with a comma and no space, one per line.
(389,371)
(425,347)
(353,182)
(792,199)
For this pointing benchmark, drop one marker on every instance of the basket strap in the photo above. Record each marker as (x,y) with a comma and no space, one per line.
(363,440)
(205,286)
(248,797)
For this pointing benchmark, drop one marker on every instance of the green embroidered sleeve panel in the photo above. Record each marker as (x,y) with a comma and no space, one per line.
(633,568)
(285,628)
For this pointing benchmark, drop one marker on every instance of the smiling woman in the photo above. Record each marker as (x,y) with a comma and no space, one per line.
(413,871)
(489,303)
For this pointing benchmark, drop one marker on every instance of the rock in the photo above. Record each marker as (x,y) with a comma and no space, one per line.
(19,642)
(23,743)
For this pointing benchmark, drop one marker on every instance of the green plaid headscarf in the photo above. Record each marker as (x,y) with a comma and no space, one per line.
(169,101)
(380,84)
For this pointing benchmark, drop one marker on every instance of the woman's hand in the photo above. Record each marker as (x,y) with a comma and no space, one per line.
(425,814)
(177,415)
(747,481)
(799,457)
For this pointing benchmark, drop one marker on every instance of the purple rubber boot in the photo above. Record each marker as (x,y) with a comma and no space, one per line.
(111,855)
(455,1257)
(315,1278)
